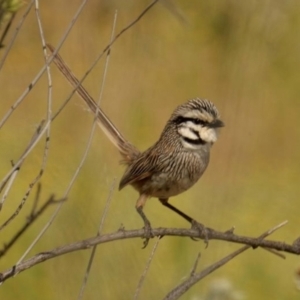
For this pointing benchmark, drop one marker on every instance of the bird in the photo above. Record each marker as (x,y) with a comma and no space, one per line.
(174,163)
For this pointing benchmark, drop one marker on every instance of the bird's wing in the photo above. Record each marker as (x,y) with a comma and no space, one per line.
(143,167)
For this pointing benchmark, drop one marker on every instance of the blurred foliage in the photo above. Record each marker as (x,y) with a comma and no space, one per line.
(9,6)
(242,55)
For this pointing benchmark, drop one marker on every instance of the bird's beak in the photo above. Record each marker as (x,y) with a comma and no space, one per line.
(217,123)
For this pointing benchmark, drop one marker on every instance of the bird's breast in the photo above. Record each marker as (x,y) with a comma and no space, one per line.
(174,176)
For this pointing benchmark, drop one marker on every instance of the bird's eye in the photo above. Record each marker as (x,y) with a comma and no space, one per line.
(198,122)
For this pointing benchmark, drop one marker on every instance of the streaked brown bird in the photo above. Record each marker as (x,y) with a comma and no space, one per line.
(174,163)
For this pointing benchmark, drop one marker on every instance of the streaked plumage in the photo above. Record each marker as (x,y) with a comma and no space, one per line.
(175,162)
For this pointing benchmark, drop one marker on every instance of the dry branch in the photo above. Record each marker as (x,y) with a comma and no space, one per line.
(140,233)
(195,277)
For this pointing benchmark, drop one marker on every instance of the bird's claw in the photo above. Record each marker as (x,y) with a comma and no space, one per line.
(147,234)
(202,230)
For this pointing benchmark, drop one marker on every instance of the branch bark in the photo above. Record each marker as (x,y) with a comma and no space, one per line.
(121,234)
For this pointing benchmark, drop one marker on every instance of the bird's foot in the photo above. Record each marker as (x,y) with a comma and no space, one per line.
(147,233)
(202,230)
(147,226)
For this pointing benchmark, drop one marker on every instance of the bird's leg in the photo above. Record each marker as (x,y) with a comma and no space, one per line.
(147,226)
(196,225)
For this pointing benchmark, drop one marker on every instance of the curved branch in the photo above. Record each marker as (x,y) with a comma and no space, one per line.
(121,234)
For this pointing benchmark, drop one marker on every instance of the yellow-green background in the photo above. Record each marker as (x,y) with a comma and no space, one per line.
(242,55)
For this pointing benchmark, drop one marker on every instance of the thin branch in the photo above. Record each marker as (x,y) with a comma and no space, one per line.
(49,98)
(30,220)
(275,253)
(36,137)
(89,266)
(43,69)
(194,269)
(8,186)
(9,46)
(140,233)
(46,148)
(5,31)
(36,199)
(109,198)
(55,51)
(38,134)
(49,105)
(194,278)
(143,276)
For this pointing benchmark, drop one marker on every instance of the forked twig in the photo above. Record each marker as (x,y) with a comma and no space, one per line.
(194,278)
(43,69)
(46,148)
(106,48)
(34,214)
(70,185)
(38,134)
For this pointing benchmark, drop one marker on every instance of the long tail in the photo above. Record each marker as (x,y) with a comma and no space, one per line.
(126,149)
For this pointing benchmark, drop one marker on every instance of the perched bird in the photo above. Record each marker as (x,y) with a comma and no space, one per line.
(174,163)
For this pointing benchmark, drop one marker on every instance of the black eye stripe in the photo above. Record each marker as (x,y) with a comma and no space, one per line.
(194,142)
(181,119)
(197,121)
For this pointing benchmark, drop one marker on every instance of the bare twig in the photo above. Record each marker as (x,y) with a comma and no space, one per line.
(9,46)
(194,269)
(194,278)
(8,186)
(49,105)
(5,31)
(43,69)
(90,262)
(41,171)
(49,98)
(36,137)
(55,51)
(38,134)
(30,220)
(36,199)
(275,253)
(140,233)
(143,276)
(15,166)
(89,266)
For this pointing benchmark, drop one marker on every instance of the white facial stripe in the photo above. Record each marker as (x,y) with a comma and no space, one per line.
(189,130)
(186,132)
(193,126)
(208,135)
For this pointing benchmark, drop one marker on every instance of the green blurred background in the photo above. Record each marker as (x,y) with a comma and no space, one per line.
(242,55)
